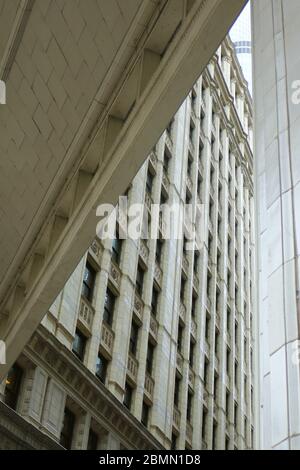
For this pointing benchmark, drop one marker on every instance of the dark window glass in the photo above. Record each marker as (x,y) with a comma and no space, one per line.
(139,279)
(92,441)
(179,337)
(166,162)
(158,253)
(12,388)
(116,249)
(127,396)
(145,414)
(133,338)
(174,442)
(149,360)
(189,407)
(101,368)
(192,352)
(193,306)
(109,306)
(149,182)
(154,300)
(79,344)
(88,282)
(66,435)
(182,289)
(176,391)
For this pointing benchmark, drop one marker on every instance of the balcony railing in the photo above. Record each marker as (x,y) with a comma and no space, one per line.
(132,367)
(153,160)
(153,326)
(86,314)
(191,378)
(138,306)
(182,311)
(115,274)
(176,418)
(144,251)
(149,387)
(165,181)
(189,183)
(157,274)
(179,362)
(185,263)
(107,338)
(96,250)
(193,328)
(148,201)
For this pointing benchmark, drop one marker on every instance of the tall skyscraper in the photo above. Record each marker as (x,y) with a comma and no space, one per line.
(240,35)
(150,344)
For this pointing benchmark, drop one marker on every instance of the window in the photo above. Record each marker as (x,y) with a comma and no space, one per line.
(170,127)
(145,414)
(66,435)
(139,279)
(176,391)
(12,386)
(192,352)
(154,300)
(79,344)
(128,396)
(192,132)
(182,288)
(204,423)
(193,310)
(149,182)
(101,367)
(133,338)
(116,248)
(179,337)
(88,282)
(166,162)
(92,441)
(190,165)
(149,359)
(174,442)
(109,306)
(189,407)
(158,253)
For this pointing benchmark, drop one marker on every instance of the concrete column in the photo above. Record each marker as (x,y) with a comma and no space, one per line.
(276,36)
(81,433)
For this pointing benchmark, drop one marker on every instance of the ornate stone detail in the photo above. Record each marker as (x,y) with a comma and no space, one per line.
(115,274)
(185,263)
(153,326)
(193,328)
(157,274)
(149,387)
(96,250)
(191,378)
(107,338)
(132,367)
(165,181)
(86,313)
(179,362)
(138,306)
(144,251)
(182,311)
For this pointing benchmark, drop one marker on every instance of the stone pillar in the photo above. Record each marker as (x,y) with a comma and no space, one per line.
(81,434)
(276,36)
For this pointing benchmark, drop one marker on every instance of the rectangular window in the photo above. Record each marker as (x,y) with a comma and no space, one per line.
(12,386)
(145,414)
(149,360)
(92,441)
(133,338)
(179,337)
(101,368)
(139,280)
(176,391)
(109,306)
(116,248)
(192,353)
(149,182)
(79,344)
(67,431)
(189,407)
(89,277)
(128,396)
(154,300)
(158,253)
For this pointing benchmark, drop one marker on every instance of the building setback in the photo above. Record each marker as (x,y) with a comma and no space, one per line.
(150,345)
